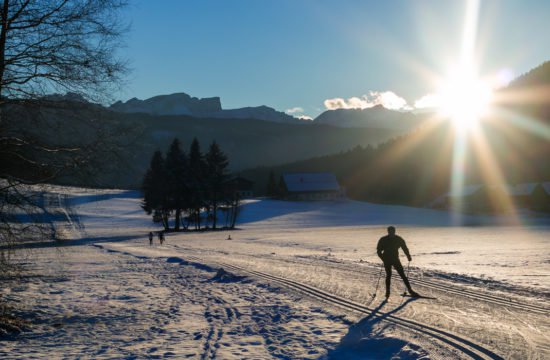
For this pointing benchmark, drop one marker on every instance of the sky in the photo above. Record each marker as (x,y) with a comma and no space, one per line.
(307,56)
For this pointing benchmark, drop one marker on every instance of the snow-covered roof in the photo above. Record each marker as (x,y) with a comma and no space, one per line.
(310,182)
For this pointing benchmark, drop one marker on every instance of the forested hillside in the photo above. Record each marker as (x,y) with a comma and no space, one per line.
(125,142)
(511,146)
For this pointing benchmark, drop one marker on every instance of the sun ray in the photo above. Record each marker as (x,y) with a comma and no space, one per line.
(466,68)
(457,176)
(493,177)
(397,152)
(522,121)
(531,95)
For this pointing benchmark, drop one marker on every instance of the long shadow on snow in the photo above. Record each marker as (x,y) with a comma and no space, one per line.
(362,342)
(346,212)
(86,199)
(67,243)
(254,212)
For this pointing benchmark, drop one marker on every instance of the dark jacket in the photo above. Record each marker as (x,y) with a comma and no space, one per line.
(388,248)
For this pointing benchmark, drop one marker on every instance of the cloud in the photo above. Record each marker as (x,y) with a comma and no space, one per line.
(428,101)
(298,110)
(294,110)
(387,99)
(336,103)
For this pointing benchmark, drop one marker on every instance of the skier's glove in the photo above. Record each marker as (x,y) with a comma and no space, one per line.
(409,258)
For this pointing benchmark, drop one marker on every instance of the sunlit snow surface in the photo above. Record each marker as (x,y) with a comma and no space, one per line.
(517,255)
(104,292)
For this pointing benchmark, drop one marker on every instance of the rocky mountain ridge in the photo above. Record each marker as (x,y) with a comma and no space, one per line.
(183,104)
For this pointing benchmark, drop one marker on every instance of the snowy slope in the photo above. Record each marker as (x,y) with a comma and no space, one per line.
(302,282)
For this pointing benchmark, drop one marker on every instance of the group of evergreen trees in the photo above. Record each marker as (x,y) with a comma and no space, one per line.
(188,186)
(275,189)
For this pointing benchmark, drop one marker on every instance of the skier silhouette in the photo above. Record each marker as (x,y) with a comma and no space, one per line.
(150,238)
(388,251)
(161,237)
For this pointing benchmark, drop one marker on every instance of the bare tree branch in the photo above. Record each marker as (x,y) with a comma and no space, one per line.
(47,46)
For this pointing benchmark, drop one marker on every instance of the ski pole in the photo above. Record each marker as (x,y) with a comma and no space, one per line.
(377,282)
(407,276)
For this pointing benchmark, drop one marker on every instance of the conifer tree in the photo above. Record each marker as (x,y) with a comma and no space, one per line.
(177,181)
(271,185)
(281,188)
(197,168)
(154,190)
(216,177)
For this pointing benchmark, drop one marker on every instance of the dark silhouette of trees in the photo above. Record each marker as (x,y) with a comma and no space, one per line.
(197,169)
(49,46)
(59,45)
(416,168)
(281,188)
(216,178)
(176,170)
(155,200)
(46,46)
(271,185)
(188,186)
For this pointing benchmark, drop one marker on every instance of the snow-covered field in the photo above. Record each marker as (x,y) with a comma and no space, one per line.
(301,281)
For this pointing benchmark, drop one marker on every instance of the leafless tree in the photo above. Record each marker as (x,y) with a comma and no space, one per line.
(48,47)
(54,45)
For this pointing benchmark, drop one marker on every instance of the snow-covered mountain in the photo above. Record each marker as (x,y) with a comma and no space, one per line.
(183,104)
(375,117)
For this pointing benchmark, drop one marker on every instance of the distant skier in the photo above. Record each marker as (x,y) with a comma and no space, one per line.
(388,251)
(161,237)
(150,238)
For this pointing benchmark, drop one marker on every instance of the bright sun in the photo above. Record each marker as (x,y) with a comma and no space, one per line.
(464,99)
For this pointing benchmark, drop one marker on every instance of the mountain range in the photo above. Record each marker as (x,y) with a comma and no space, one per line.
(376,117)
(263,137)
(127,140)
(183,104)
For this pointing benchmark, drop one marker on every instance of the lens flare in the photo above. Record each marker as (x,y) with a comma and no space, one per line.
(464,100)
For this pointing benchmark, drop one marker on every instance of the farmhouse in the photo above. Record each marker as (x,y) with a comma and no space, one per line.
(312,186)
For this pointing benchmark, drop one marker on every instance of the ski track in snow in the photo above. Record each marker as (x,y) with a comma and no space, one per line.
(105,303)
(290,292)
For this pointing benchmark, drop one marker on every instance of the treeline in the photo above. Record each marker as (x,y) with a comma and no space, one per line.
(511,147)
(186,186)
(275,188)
(403,170)
(416,168)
